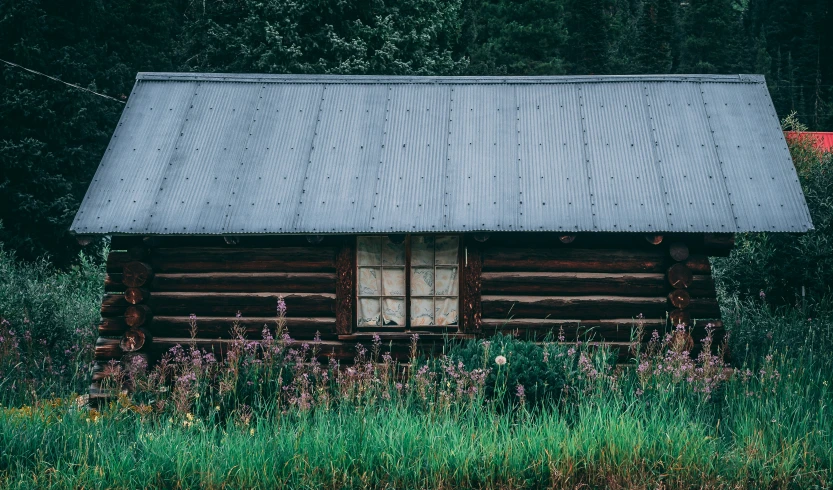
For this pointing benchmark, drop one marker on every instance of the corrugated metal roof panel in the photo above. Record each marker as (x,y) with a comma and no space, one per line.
(761,181)
(235,154)
(696,196)
(552,168)
(625,186)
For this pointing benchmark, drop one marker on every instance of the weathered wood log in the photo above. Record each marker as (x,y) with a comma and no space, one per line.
(704,308)
(617,330)
(135,339)
(680,276)
(249,304)
(699,264)
(264,282)
(116,260)
(567,239)
(572,260)
(207,259)
(137,315)
(84,240)
(135,274)
(220,327)
(113,305)
(678,317)
(112,326)
(472,289)
(138,252)
(134,296)
(679,298)
(678,251)
(654,239)
(572,306)
(107,348)
(112,283)
(719,240)
(574,283)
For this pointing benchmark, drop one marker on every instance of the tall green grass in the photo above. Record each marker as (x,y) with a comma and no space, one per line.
(766,429)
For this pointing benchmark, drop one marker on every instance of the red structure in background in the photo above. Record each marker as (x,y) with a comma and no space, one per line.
(823,140)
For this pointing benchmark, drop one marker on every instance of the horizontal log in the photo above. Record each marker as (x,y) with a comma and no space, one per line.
(216,259)
(135,339)
(339,350)
(679,298)
(619,330)
(116,260)
(136,274)
(573,260)
(680,276)
(266,282)
(572,306)
(699,264)
(678,251)
(704,308)
(385,337)
(220,327)
(574,283)
(654,239)
(107,348)
(248,304)
(134,296)
(137,315)
(113,284)
(226,304)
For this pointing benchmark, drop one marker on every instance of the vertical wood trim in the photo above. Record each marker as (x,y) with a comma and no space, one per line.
(408,281)
(472,287)
(345,275)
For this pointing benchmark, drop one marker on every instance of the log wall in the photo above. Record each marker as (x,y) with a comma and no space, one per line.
(594,286)
(530,284)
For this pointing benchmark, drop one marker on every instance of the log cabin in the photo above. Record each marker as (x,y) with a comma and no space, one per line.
(443,206)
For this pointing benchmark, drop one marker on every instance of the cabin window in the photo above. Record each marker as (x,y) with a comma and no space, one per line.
(412,283)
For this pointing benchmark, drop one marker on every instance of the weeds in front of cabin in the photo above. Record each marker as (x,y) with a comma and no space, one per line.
(496,413)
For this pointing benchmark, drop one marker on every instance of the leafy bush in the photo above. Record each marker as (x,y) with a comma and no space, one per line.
(527,368)
(48,326)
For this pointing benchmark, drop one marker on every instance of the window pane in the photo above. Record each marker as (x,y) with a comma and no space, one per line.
(422,250)
(422,281)
(393,254)
(422,311)
(370,281)
(394,311)
(446,281)
(445,310)
(368,314)
(369,250)
(446,250)
(393,282)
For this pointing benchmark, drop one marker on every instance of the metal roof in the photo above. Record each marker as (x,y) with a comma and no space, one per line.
(265,154)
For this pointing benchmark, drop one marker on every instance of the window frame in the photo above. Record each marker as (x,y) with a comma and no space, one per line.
(408,326)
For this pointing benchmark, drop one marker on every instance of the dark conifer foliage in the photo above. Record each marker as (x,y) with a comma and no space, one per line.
(52,137)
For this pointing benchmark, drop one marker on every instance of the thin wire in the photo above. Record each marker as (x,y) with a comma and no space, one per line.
(61,81)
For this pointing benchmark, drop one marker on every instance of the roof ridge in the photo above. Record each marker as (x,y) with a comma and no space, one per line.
(407,79)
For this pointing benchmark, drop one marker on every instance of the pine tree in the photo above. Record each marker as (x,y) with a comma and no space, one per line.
(657,33)
(589,26)
(712,31)
(521,38)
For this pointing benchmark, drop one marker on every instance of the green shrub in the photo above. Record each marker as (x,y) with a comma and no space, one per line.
(48,326)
